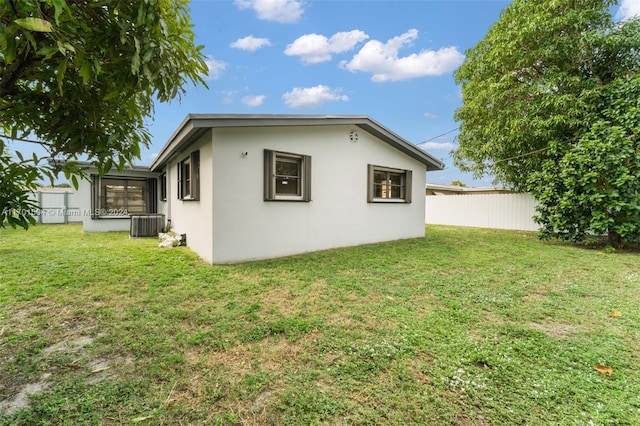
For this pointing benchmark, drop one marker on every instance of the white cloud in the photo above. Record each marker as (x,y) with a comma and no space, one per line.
(250,43)
(309,97)
(628,9)
(215,68)
(430,115)
(382,60)
(253,101)
(228,96)
(437,146)
(316,48)
(283,11)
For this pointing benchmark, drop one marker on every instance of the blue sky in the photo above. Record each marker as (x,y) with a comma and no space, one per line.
(391,60)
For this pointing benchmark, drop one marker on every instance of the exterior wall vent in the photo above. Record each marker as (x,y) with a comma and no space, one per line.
(146,225)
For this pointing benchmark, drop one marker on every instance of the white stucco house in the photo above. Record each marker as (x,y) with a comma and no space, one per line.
(247,187)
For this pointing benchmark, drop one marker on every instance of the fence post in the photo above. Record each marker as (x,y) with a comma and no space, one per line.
(66,206)
(39,195)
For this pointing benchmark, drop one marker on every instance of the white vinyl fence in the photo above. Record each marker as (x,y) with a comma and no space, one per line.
(503,211)
(57,206)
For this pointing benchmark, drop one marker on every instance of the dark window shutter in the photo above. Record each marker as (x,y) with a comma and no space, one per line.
(369,183)
(195,175)
(152,195)
(306,178)
(407,185)
(269,190)
(95,196)
(162,181)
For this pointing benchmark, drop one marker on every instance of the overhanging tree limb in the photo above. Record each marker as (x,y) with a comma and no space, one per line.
(83,75)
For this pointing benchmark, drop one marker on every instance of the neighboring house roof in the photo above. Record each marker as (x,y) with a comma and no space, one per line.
(54,189)
(194,125)
(88,165)
(436,189)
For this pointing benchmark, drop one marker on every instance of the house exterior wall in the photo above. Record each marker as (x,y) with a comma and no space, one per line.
(104,224)
(245,227)
(193,218)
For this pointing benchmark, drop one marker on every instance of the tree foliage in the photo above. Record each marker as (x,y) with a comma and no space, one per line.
(551,106)
(80,77)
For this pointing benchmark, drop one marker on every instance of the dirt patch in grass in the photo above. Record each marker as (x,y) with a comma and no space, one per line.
(70,345)
(493,318)
(273,356)
(294,299)
(465,420)
(539,295)
(426,303)
(415,366)
(17,387)
(20,400)
(556,330)
(107,368)
(270,355)
(223,375)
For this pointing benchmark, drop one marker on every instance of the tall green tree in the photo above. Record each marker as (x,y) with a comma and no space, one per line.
(551,106)
(80,77)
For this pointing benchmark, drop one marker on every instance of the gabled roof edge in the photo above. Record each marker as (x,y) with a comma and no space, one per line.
(194,125)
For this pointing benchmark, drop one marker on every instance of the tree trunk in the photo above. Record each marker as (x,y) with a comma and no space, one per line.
(615,240)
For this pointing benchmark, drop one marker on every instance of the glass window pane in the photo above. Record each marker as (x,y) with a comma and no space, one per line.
(288,186)
(395,178)
(186,173)
(388,184)
(288,167)
(113,194)
(121,195)
(396,192)
(377,191)
(379,177)
(288,176)
(136,197)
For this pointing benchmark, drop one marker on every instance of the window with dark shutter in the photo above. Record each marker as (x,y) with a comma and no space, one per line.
(189,177)
(120,196)
(287,176)
(388,185)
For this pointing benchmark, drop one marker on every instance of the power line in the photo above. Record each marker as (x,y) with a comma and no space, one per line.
(526,154)
(439,136)
(25,140)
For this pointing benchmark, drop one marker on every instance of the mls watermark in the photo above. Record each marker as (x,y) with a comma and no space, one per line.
(64,212)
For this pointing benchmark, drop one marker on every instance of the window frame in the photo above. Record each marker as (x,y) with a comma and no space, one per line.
(407,177)
(271,158)
(163,186)
(189,177)
(99,209)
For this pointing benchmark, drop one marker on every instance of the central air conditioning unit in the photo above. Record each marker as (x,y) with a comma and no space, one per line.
(146,225)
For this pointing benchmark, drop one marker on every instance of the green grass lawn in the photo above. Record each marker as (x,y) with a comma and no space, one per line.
(463,327)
